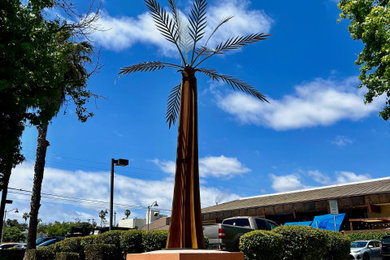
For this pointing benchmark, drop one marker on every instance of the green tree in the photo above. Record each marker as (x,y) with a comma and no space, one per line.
(186,224)
(13,234)
(58,229)
(102,216)
(127,213)
(28,51)
(73,86)
(370,21)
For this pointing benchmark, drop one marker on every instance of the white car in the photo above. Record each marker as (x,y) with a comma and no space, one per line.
(366,250)
(19,246)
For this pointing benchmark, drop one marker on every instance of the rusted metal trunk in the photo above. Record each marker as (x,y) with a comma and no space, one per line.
(186,230)
(37,185)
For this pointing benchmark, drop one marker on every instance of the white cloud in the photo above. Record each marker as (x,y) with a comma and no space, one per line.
(345,177)
(288,182)
(118,33)
(165,166)
(340,177)
(319,102)
(319,177)
(291,182)
(341,140)
(131,193)
(211,166)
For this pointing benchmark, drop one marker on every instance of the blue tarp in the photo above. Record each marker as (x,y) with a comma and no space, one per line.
(302,223)
(327,222)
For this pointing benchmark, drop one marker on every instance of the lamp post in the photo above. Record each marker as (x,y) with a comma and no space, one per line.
(118,162)
(5,219)
(154,204)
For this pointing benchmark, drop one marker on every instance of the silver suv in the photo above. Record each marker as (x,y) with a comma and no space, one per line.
(365,250)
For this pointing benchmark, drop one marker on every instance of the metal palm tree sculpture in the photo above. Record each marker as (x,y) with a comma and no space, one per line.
(185,230)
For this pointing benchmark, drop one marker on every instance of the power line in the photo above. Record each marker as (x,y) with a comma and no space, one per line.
(76,199)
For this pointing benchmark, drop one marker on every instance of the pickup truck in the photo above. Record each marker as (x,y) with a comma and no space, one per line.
(225,236)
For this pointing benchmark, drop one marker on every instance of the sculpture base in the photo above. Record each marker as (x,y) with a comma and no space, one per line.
(187,254)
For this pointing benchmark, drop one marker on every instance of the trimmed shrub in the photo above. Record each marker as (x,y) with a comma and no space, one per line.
(131,241)
(72,244)
(11,254)
(261,245)
(67,256)
(45,253)
(154,240)
(101,252)
(111,237)
(88,240)
(366,235)
(302,242)
(337,246)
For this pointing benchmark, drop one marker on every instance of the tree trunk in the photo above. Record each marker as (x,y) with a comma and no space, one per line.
(186,230)
(37,185)
(4,191)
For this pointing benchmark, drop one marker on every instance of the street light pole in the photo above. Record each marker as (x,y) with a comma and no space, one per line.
(154,204)
(4,222)
(118,162)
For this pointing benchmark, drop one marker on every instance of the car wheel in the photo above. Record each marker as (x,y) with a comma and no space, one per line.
(366,257)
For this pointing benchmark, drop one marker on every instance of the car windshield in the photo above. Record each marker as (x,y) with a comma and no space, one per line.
(357,244)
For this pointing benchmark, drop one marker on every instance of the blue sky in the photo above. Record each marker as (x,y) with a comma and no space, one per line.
(316,131)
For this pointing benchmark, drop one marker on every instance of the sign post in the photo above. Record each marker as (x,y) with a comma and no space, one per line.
(334,210)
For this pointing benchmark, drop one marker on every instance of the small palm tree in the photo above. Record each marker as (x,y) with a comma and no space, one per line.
(127,213)
(185,230)
(25,217)
(102,216)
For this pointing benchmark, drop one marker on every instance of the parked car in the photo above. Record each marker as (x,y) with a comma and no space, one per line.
(226,235)
(385,247)
(18,246)
(51,241)
(365,250)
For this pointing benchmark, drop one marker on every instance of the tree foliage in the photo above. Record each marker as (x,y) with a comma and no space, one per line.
(13,234)
(370,20)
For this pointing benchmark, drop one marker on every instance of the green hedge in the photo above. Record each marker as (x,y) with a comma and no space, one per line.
(101,252)
(302,242)
(154,240)
(45,253)
(131,242)
(11,254)
(295,242)
(263,245)
(367,235)
(72,244)
(338,246)
(67,256)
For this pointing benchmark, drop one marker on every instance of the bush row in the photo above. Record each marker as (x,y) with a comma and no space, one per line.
(296,242)
(366,235)
(109,245)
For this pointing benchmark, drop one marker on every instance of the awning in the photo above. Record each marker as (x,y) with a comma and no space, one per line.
(327,222)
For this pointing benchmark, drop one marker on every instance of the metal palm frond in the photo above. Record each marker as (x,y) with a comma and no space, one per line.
(198,22)
(146,67)
(164,23)
(173,105)
(236,43)
(227,19)
(233,82)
